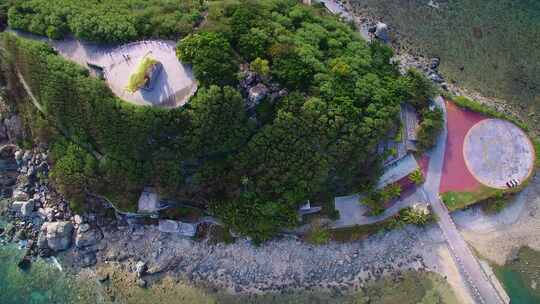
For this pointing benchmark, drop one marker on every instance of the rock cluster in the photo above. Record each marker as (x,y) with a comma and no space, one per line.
(40,219)
(37,214)
(256,88)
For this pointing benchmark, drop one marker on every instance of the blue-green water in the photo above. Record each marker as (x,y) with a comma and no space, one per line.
(518,277)
(42,283)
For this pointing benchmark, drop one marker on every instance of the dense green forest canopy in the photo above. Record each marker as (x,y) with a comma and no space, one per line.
(106,20)
(343,100)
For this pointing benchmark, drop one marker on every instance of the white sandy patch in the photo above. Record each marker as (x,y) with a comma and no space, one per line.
(498,237)
(449,269)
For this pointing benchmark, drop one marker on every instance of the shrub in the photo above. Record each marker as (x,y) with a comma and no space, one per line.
(417,177)
(430,128)
(318,235)
(377,199)
(138,79)
(260,66)
(416,216)
(419,90)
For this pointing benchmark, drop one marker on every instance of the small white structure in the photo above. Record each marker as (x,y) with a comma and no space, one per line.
(307,209)
(184,229)
(149,201)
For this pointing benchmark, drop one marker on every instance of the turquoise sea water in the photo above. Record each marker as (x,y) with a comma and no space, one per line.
(42,283)
(518,277)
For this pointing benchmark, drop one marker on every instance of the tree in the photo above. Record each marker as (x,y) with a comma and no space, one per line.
(211,56)
(73,171)
(260,66)
(256,217)
(293,69)
(253,44)
(219,123)
(430,128)
(419,90)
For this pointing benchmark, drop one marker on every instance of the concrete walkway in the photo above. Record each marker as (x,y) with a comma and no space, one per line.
(352,211)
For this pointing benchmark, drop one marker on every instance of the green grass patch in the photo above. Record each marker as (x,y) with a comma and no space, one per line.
(318,236)
(359,232)
(412,287)
(475,106)
(138,79)
(459,200)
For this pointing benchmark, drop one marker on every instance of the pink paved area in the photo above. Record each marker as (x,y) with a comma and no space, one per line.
(455,175)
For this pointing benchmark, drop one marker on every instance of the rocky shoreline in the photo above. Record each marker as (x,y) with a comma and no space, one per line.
(41,222)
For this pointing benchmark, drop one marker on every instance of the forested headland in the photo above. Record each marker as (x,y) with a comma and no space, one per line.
(343,98)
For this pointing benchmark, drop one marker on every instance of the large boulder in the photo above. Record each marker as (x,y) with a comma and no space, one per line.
(86,236)
(256,95)
(19,195)
(58,235)
(23,208)
(140,268)
(381,32)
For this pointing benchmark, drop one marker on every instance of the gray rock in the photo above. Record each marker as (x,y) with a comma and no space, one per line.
(88,259)
(27,208)
(27,156)
(18,155)
(19,195)
(168,226)
(381,31)
(77,219)
(23,208)
(84,227)
(88,237)
(58,235)
(434,63)
(31,171)
(141,283)
(17,206)
(435,77)
(256,94)
(140,268)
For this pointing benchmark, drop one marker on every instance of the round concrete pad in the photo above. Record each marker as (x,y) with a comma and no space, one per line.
(497,151)
(174,85)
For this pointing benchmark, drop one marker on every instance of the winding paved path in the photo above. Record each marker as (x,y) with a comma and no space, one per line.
(172,88)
